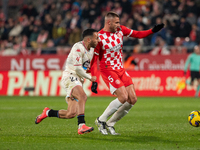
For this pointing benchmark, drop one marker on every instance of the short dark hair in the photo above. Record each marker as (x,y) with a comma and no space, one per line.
(88,32)
(112,14)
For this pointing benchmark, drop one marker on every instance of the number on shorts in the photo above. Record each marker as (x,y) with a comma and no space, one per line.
(110,79)
(73,79)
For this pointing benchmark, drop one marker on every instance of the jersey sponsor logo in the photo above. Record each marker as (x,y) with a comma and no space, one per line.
(86,64)
(77,58)
(107,40)
(78,50)
(116,48)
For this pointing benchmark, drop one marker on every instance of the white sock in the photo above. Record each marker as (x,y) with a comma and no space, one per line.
(47,112)
(112,107)
(119,114)
(80,125)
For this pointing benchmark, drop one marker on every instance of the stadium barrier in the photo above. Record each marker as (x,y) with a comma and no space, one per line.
(145,62)
(47,83)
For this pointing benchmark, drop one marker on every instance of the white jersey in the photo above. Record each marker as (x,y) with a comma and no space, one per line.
(79,59)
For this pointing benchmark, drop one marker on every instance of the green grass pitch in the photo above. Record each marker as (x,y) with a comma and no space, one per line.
(152,124)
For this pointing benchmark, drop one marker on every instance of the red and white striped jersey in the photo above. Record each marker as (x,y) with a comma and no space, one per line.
(109,49)
(110,46)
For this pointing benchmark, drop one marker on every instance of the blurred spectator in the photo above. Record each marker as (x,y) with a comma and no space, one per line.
(48,24)
(44,11)
(66,7)
(157,12)
(53,11)
(8,27)
(85,10)
(173,8)
(16,30)
(96,24)
(75,21)
(27,29)
(94,12)
(193,38)
(41,40)
(9,50)
(75,36)
(126,6)
(3,31)
(76,9)
(191,7)
(191,18)
(42,37)
(34,36)
(160,48)
(109,6)
(67,19)
(184,27)
(29,10)
(58,32)
(124,18)
(162,33)
(117,8)
(178,47)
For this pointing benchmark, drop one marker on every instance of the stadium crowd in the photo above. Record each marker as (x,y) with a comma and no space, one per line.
(54,26)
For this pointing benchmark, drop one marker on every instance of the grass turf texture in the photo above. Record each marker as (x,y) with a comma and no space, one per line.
(152,124)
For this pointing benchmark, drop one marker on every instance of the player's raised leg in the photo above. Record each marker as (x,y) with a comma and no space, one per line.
(71,112)
(79,94)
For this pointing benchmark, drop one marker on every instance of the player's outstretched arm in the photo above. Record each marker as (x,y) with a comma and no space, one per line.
(141,34)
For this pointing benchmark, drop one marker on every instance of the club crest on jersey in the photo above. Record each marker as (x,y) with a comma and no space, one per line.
(119,35)
(117,81)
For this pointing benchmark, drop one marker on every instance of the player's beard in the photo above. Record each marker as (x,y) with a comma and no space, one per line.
(92,44)
(112,29)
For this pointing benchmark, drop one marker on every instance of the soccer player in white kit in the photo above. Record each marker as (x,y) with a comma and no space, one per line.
(72,80)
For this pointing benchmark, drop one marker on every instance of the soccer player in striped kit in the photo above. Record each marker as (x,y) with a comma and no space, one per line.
(109,52)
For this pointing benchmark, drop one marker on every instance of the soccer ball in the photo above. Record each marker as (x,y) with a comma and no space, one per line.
(194,118)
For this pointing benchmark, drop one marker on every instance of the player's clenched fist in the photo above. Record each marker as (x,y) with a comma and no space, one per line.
(93,79)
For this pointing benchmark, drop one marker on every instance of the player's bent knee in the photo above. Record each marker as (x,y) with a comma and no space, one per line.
(71,115)
(132,100)
(84,97)
(123,98)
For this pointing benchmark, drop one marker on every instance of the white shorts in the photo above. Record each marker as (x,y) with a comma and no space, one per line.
(69,81)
